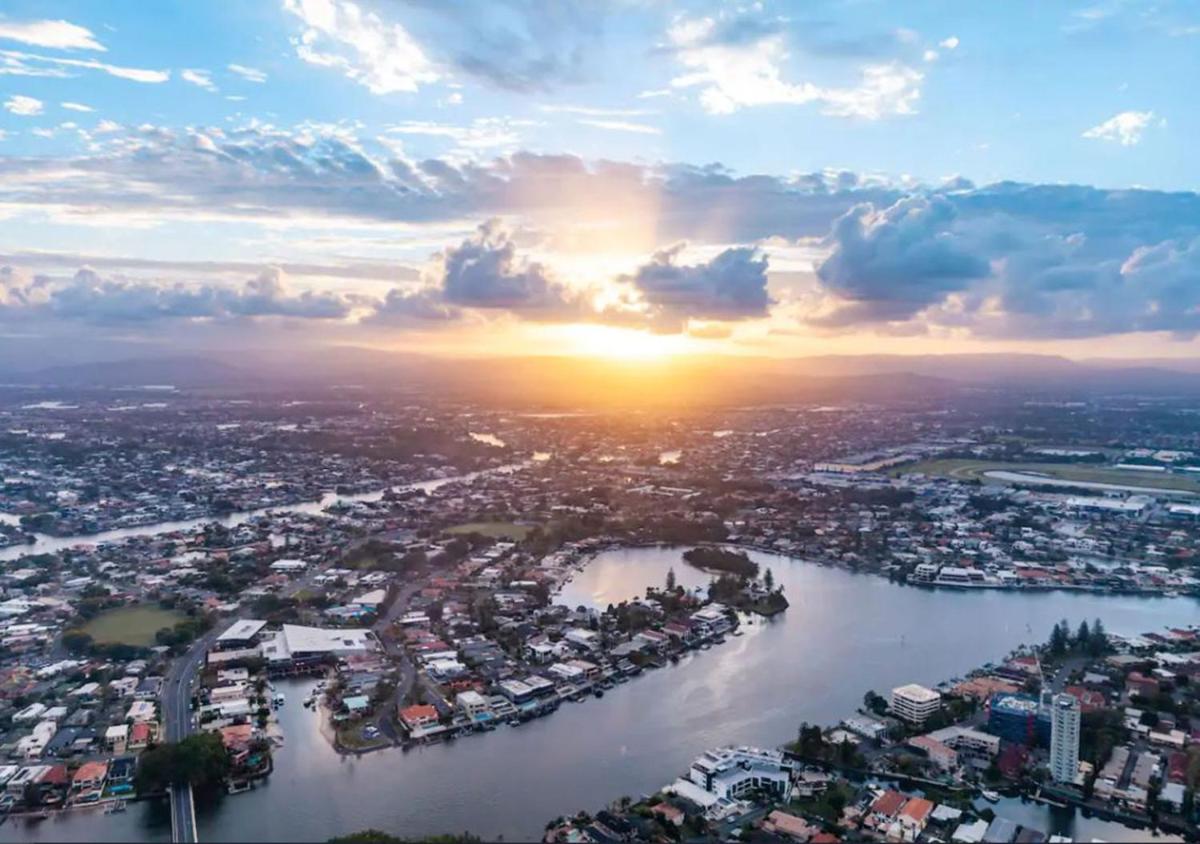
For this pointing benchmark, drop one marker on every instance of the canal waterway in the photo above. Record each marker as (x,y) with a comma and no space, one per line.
(842,635)
(47,544)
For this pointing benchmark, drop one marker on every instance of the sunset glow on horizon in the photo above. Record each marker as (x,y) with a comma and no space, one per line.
(656,184)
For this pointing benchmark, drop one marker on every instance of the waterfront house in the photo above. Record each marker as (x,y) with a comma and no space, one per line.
(419,720)
(89,776)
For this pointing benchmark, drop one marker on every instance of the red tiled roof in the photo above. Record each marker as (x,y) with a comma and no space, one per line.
(888,803)
(418,712)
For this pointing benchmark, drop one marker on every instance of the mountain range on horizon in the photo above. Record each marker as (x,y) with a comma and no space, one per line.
(555,380)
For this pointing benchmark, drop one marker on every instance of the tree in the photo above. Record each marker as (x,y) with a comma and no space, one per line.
(76,641)
(874,702)
(1098,643)
(671,579)
(1083,637)
(1059,638)
(200,760)
(769,580)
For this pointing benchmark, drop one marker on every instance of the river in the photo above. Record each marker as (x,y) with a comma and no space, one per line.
(46,544)
(843,634)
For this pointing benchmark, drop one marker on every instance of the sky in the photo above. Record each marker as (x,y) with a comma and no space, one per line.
(630,178)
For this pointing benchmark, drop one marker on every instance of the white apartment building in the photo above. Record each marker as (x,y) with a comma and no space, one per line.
(734,772)
(1064,738)
(914,703)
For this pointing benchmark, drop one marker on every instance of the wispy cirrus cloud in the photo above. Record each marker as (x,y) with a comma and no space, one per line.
(17,63)
(199,78)
(250,74)
(52,34)
(620,125)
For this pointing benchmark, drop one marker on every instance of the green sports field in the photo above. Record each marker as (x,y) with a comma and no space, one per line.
(965,470)
(131,625)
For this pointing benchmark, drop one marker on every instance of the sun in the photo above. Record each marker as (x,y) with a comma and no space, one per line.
(605,341)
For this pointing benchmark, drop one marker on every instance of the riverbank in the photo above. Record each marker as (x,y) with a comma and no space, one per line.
(48,544)
(812,663)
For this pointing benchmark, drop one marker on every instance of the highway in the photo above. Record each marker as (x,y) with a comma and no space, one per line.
(177,716)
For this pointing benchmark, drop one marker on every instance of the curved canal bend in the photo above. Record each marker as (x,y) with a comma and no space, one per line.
(843,634)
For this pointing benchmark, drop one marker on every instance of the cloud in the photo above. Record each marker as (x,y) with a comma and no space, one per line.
(199,78)
(324,176)
(1125,128)
(55,35)
(481,133)
(1009,259)
(349,269)
(516,45)
(23,106)
(1017,261)
(16,63)
(731,286)
(739,63)
(89,297)
(620,126)
(950,43)
(890,264)
(594,111)
(485,271)
(250,74)
(405,307)
(69,106)
(381,56)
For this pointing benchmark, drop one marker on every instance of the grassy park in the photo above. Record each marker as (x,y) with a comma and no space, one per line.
(131,625)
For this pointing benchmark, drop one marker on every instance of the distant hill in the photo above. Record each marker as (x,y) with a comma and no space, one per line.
(183,372)
(572,382)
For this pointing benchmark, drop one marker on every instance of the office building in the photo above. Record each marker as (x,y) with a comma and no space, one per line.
(915,704)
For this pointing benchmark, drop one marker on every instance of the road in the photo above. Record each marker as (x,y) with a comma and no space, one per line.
(177,717)
(408,671)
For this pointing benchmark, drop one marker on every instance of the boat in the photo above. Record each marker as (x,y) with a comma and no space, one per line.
(990,796)
(738,633)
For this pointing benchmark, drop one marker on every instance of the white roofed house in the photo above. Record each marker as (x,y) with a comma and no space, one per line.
(33,745)
(370,601)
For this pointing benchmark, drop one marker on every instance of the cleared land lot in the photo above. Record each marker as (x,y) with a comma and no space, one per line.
(496,530)
(131,625)
(964,470)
